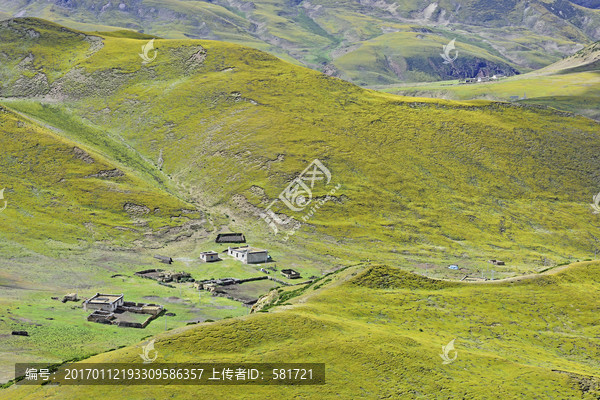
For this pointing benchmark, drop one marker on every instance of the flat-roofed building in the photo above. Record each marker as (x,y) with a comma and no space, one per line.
(209,256)
(249,255)
(104,302)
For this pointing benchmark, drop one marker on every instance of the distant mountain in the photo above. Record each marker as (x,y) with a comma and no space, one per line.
(586,59)
(571,84)
(366,42)
(587,3)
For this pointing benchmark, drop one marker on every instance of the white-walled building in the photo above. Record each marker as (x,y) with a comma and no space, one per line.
(209,256)
(248,255)
(104,302)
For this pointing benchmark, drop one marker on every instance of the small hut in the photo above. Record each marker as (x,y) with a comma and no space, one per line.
(230,238)
(164,259)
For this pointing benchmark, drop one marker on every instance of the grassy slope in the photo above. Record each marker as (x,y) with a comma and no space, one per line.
(586,59)
(380,334)
(572,84)
(357,39)
(52,194)
(489,172)
(475,181)
(574,92)
(63,232)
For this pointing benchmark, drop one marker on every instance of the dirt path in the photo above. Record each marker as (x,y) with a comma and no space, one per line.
(551,271)
(337,279)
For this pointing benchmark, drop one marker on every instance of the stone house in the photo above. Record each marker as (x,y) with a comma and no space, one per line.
(104,302)
(290,273)
(249,255)
(209,256)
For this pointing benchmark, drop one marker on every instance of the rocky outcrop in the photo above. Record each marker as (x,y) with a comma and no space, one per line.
(135,209)
(83,155)
(265,301)
(109,173)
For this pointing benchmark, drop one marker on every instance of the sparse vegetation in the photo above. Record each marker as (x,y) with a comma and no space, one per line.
(423,183)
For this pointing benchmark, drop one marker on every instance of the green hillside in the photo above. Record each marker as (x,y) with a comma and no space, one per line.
(76,221)
(380,332)
(235,125)
(61,191)
(571,84)
(108,160)
(366,42)
(586,59)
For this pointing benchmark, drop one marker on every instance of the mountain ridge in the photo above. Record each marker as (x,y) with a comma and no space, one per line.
(570,84)
(367,43)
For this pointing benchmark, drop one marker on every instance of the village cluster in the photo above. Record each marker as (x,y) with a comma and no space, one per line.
(480,78)
(114,310)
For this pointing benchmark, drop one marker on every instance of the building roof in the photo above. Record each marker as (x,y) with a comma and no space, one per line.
(230,238)
(164,259)
(209,252)
(248,249)
(101,298)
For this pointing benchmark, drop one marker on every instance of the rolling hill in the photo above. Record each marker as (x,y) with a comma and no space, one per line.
(240,124)
(571,84)
(235,125)
(586,59)
(366,42)
(74,220)
(108,158)
(380,332)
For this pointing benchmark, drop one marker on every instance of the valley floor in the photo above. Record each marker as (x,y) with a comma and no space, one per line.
(380,331)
